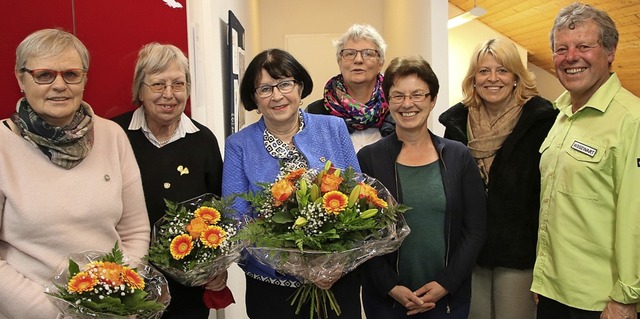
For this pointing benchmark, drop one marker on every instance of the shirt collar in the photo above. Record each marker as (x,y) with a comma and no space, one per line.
(139,122)
(600,100)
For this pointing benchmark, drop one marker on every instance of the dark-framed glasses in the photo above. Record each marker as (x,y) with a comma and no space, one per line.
(160,87)
(415,97)
(47,76)
(367,54)
(284,87)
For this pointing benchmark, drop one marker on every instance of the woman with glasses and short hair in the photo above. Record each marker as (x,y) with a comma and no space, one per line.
(179,158)
(274,84)
(429,277)
(69,181)
(356,94)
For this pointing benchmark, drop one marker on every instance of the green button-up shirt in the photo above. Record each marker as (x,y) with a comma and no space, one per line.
(589,233)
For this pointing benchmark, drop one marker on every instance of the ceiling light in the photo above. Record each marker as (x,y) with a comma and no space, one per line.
(466,17)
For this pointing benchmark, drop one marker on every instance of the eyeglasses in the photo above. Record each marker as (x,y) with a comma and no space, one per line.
(284,87)
(415,97)
(47,76)
(160,87)
(350,54)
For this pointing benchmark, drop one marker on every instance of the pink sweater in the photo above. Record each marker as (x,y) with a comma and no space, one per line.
(47,212)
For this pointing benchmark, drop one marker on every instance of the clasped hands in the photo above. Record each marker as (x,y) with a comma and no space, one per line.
(421,300)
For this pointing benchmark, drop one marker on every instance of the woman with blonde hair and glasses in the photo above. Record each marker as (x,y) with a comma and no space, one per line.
(356,94)
(69,181)
(179,158)
(503,121)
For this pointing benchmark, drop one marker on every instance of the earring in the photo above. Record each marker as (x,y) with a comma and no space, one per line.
(515,83)
(474,85)
(21,91)
(300,103)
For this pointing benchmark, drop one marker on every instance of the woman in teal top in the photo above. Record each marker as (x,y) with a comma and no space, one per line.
(430,275)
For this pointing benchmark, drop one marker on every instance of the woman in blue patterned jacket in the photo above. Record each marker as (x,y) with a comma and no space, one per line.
(274,85)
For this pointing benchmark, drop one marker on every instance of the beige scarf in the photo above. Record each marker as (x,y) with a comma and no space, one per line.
(487,135)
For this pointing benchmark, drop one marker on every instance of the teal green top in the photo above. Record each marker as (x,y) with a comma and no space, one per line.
(588,238)
(421,255)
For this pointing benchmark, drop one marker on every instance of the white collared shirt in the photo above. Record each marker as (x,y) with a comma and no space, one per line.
(138,121)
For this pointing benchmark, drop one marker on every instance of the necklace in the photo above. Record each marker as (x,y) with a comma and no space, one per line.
(165,142)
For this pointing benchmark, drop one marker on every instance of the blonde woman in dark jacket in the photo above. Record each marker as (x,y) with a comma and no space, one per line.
(508,122)
(430,275)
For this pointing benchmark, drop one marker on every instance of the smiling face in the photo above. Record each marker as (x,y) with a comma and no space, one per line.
(582,64)
(56,103)
(360,71)
(280,111)
(411,116)
(164,108)
(494,83)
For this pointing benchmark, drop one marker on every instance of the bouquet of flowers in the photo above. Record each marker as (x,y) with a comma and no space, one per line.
(107,287)
(194,241)
(319,225)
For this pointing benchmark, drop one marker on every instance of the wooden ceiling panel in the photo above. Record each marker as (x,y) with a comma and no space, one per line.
(528,23)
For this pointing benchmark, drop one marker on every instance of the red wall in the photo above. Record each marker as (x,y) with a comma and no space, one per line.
(112,30)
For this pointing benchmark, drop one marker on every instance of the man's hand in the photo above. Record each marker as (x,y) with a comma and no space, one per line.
(616,310)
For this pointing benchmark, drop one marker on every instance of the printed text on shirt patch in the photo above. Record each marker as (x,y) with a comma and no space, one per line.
(584,149)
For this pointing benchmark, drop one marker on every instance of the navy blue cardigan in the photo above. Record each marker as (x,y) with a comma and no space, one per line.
(465,215)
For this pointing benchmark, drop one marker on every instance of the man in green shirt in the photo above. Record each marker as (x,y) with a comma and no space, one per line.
(588,255)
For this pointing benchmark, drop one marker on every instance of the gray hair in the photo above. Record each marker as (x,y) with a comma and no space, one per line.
(361,32)
(577,13)
(49,43)
(155,58)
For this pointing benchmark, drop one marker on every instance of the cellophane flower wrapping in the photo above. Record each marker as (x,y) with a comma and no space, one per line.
(97,284)
(196,240)
(318,225)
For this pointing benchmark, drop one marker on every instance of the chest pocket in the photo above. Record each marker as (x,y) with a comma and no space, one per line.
(585,151)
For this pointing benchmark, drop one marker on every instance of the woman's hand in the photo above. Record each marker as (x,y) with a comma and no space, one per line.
(218,282)
(409,300)
(428,294)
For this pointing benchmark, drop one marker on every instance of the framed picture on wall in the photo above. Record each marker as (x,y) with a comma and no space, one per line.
(234,114)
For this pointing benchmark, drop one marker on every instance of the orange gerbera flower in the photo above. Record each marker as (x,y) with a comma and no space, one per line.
(181,246)
(209,214)
(213,236)
(132,278)
(330,183)
(196,227)
(82,282)
(334,202)
(282,190)
(107,272)
(293,176)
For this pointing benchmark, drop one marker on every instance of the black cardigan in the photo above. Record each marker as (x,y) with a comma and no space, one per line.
(513,200)
(465,214)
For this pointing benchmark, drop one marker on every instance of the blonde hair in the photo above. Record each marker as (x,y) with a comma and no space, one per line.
(155,58)
(49,43)
(507,55)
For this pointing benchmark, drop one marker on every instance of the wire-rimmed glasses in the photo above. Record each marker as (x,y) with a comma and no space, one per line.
(414,97)
(160,87)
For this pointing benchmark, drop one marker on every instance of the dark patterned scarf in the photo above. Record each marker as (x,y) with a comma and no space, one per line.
(65,146)
(358,116)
